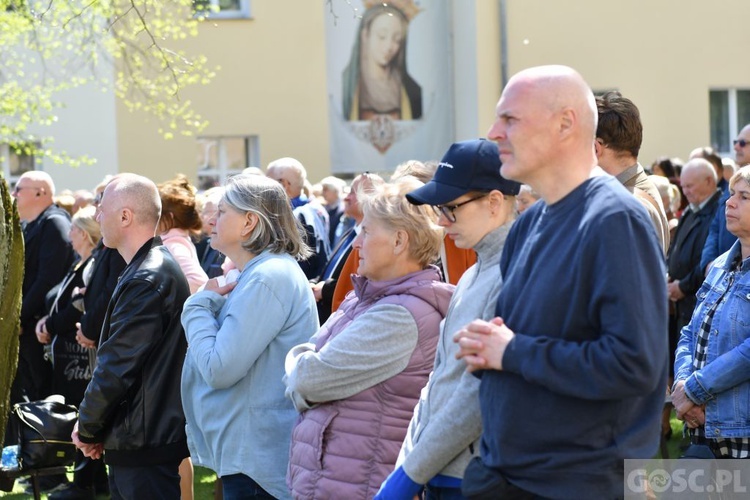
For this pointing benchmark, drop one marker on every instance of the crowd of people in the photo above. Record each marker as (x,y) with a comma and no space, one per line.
(496,324)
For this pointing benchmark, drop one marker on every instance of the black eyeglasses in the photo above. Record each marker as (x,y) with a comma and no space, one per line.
(450,210)
(741,142)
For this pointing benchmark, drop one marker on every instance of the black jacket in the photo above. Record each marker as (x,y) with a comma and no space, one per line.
(684,256)
(48,256)
(132,403)
(108,266)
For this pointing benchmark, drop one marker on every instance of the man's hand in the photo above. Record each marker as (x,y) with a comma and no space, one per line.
(482,344)
(83,340)
(90,450)
(674,292)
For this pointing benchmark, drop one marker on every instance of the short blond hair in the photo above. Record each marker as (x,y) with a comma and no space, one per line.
(388,205)
(742,174)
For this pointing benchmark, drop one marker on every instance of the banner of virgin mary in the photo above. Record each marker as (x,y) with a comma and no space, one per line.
(389,78)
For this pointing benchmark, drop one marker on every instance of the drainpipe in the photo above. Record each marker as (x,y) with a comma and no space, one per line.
(503,43)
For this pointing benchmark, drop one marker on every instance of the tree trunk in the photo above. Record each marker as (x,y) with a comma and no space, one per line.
(11,281)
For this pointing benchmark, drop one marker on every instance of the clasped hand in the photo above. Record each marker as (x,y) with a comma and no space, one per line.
(693,415)
(483,343)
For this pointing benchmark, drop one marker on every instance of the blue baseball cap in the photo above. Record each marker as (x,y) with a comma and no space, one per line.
(467,166)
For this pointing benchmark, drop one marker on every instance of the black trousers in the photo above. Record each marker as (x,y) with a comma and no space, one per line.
(151,482)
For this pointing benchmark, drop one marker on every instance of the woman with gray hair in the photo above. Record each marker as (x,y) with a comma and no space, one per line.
(238,420)
(357,380)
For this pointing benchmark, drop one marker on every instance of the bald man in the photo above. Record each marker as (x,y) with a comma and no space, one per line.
(48,255)
(132,410)
(699,184)
(573,368)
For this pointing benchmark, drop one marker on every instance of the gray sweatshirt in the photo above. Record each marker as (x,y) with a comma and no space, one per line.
(444,432)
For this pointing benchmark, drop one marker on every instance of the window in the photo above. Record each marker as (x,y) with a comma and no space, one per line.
(221,157)
(729,112)
(223,9)
(16,161)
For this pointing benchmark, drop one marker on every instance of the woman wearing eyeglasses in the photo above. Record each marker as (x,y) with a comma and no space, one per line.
(356,382)
(476,206)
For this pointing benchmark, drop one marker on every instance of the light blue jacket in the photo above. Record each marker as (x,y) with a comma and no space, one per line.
(723,383)
(238,420)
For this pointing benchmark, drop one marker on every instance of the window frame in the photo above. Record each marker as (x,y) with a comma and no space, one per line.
(244,12)
(734,126)
(6,151)
(222,170)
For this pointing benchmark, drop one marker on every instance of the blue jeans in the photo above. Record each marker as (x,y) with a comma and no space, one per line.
(152,482)
(442,493)
(241,487)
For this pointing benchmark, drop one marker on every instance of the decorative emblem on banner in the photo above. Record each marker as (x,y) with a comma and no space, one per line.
(408,7)
(381,131)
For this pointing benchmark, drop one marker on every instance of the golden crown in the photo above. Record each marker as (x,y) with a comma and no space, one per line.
(407,7)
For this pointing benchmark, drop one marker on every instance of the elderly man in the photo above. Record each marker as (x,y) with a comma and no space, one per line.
(618,140)
(573,366)
(698,180)
(48,255)
(324,286)
(333,194)
(719,239)
(132,410)
(290,173)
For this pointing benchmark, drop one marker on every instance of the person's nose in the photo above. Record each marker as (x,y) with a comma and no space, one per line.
(357,243)
(497,131)
(731,202)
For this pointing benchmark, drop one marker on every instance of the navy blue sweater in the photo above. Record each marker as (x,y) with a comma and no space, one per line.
(583,380)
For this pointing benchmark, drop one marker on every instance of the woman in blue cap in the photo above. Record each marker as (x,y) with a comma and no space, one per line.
(476,207)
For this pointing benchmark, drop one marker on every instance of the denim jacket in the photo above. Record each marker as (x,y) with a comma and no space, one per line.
(722,384)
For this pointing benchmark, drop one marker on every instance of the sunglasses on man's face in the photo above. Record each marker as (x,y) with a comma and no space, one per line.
(741,142)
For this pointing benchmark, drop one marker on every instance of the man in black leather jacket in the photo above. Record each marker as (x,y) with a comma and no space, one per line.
(132,411)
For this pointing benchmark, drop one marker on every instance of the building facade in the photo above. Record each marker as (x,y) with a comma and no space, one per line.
(680,61)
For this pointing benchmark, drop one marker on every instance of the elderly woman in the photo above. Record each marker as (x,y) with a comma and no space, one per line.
(357,381)
(238,421)
(712,365)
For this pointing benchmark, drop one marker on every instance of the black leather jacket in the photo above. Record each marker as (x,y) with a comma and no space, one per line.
(132,403)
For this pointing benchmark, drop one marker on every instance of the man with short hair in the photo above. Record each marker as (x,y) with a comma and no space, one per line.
(48,255)
(698,180)
(573,366)
(290,173)
(618,140)
(132,410)
(719,239)
(324,285)
(333,194)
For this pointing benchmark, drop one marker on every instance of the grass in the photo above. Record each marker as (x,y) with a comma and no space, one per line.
(205,478)
(677,443)
(203,487)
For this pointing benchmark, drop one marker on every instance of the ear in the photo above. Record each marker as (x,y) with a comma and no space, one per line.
(598,147)
(126,217)
(496,201)
(251,220)
(400,242)
(567,121)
